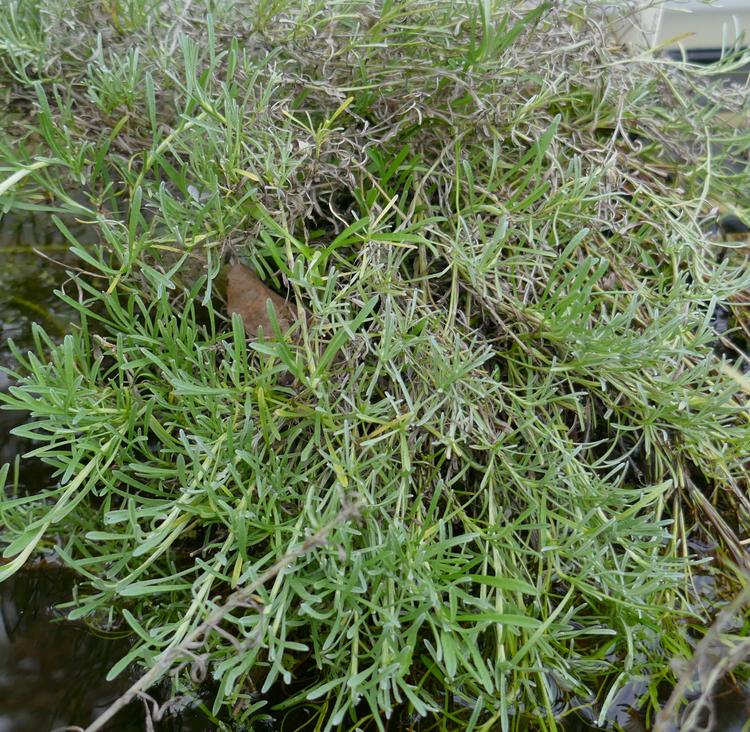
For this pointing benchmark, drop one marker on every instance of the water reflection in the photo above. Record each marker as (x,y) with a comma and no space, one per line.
(27,284)
(28,280)
(52,673)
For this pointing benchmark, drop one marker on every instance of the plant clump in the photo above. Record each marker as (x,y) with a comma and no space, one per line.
(499,382)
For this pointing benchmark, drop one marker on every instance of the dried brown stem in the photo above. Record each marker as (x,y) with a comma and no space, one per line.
(200,633)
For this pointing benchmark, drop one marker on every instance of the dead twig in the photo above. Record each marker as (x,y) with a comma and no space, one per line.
(666,716)
(200,633)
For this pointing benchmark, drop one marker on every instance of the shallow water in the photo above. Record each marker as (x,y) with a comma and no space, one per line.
(51,673)
(28,281)
(27,284)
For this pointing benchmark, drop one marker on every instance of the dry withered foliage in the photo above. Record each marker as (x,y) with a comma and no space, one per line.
(248,295)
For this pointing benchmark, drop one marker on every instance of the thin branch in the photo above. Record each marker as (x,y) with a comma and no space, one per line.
(665,717)
(237,598)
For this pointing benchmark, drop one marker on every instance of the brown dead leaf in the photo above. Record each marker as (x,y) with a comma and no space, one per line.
(247,296)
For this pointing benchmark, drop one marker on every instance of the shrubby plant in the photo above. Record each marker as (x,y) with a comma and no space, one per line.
(504,397)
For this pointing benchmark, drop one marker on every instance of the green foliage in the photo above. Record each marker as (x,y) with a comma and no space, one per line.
(496,224)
